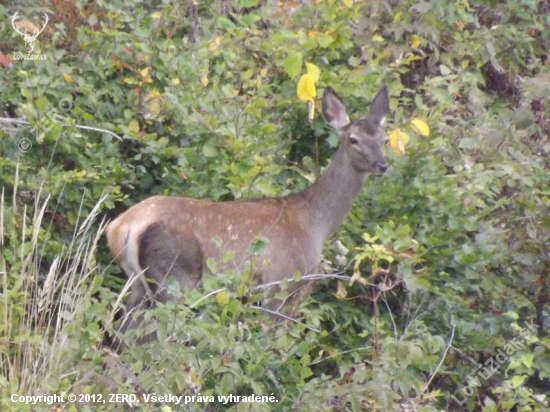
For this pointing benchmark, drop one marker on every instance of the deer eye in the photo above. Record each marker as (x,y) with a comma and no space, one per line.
(353,140)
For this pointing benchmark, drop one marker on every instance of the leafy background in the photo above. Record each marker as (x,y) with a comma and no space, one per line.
(448,252)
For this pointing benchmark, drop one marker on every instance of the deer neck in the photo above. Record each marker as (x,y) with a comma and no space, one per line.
(331,197)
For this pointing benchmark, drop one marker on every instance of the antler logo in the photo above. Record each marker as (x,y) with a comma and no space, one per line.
(28,38)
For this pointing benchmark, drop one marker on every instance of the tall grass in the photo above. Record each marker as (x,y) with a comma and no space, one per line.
(50,311)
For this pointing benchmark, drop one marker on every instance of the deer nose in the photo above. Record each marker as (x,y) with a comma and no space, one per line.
(382,167)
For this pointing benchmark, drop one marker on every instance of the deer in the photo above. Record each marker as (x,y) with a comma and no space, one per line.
(29,39)
(163,236)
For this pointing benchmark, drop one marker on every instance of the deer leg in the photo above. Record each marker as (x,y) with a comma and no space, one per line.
(161,259)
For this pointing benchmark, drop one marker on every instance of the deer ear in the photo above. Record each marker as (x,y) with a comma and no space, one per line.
(334,110)
(380,106)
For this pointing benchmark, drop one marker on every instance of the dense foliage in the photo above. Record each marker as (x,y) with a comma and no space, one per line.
(443,265)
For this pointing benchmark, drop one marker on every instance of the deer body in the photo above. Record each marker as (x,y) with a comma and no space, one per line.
(171,236)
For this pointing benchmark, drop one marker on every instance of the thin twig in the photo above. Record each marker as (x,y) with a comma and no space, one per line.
(395,332)
(78,126)
(97,129)
(443,356)
(206,297)
(338,354)
(316,276)
(272,312)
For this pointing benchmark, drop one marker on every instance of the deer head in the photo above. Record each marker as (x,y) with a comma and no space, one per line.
(363,140)
(29,39)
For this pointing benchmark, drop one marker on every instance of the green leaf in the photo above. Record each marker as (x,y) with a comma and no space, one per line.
(234,306)
(305,372)
(518,380)
(249,3)
(225,24)
(325,41)
(26,93)
(527,360)
(258,245)
(209,151)
(445,71)
(92,20)
(133,126)
(293,64)
(222,298)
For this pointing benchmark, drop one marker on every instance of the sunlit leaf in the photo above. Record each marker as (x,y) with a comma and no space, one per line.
(398,16)
(67,78)
(146,75)
(527,359)
(420,127)
(306,88)
(209,151)
(348,3)
(313,71)
(398,140)
(341,292)
(293,64)
(325,40)
(204,80)
(377,38)
(133,126)
(445,71)
(415,41)
(518,380)
(356,277)
(222,298)
(213,46)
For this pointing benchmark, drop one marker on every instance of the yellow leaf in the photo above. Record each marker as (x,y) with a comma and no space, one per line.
(204,80)
(377,38)
(133,126)
(222,298)
(146,75)
(398,140)
(415,41)
(341,293)
(156,15)
(348,3)
(356,277)
(313,71)
(306,88)
(152,105)
(67,78)
(214,45)
(420,127)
